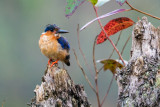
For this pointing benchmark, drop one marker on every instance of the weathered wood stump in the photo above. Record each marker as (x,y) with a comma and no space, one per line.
(139,81)
(58,90)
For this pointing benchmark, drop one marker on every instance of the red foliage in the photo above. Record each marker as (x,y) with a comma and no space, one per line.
(113,27)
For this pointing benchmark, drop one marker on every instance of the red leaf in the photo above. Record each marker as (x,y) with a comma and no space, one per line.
(113,27)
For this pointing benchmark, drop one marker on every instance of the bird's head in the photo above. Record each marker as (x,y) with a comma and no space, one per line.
(54,28)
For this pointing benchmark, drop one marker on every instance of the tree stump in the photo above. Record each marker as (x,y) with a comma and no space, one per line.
(139,81)
(58,90)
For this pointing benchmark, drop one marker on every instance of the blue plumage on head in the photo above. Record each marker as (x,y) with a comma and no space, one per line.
(51,27)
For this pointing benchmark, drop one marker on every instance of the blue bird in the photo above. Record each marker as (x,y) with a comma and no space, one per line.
(54,46)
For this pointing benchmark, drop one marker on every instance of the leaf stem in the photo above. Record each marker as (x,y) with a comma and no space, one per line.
(108,37)
(112,50)
(142,11)
(116,44)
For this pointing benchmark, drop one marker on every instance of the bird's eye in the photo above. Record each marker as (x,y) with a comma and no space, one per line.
(56,30)
(51,30)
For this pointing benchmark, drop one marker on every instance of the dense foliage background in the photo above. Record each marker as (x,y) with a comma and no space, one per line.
(21,62)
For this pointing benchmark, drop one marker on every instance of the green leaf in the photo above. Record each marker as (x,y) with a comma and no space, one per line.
(111,64)
(93,1)
(71,6)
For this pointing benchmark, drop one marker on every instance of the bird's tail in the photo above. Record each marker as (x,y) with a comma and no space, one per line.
(67,60)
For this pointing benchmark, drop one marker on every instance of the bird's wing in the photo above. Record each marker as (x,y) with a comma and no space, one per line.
(64,43)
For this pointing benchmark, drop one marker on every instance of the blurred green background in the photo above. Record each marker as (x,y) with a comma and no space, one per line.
(21,63)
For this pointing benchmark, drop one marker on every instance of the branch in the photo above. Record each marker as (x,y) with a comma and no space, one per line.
(142,11)
(83,72)
(96,76)
(108,37)
(116,44)
(107,91)
(112,51)
(125,44)
(82,52)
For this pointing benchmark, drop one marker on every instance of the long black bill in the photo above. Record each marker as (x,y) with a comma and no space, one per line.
(62,31)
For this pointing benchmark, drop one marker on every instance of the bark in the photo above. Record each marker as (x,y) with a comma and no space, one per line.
(139,81)
(58,90)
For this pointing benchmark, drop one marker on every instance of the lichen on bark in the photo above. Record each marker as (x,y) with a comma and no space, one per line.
(139,81)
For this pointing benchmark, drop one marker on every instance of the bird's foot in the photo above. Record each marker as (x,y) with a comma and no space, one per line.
(55,62)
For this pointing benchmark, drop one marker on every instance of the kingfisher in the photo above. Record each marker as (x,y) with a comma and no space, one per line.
(54,46)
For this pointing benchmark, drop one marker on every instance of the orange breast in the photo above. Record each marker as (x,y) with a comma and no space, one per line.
(50,47)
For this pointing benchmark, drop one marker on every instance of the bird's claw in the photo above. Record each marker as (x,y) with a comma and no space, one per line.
(55,62)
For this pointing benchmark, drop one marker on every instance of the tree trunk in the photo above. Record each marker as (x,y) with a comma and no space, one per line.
(58,90)
(139,81)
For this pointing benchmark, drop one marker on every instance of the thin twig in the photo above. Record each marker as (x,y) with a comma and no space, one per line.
(83,72)
(112,50)
(142,11)
(93,57)
(100,69)
(107,91)
(113,75)
(116,44)
(108,37)
(96,75)
(97,90)
(125,44)
(89,68)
